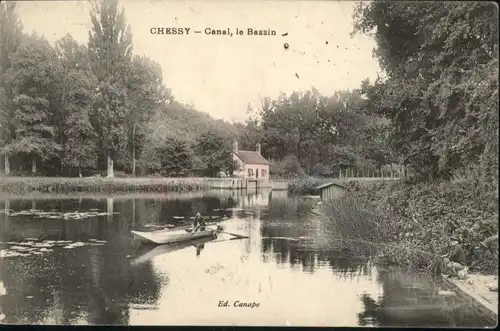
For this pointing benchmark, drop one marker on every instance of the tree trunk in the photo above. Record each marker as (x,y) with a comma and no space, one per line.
(133,151)
(381,172)
(33,167)
(80,172)
(340,173)
(7,165)
(392,172)
(111,173)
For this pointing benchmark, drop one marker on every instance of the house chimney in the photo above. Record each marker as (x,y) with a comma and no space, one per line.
(235,145)
(258,148)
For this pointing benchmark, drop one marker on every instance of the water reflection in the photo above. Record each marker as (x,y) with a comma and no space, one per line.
(414,300)
(277,266)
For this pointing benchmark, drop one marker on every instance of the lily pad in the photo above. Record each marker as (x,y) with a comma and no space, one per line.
(42,245)
(19,248)
(11,254)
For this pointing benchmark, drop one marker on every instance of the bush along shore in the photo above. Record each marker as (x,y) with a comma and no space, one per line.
(411,225)
(23,185)
(305,185)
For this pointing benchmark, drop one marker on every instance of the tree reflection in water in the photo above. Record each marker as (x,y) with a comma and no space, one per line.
(62,286)
(413,300)
(101,285)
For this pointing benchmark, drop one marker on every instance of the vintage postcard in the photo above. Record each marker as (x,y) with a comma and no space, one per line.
(249,163)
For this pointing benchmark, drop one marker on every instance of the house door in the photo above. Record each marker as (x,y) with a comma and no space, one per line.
(256,173)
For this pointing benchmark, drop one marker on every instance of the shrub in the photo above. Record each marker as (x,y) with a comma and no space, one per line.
(411,225)
(305,186)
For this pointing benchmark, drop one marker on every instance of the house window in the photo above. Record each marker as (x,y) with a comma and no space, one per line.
(250,172)
(263,172)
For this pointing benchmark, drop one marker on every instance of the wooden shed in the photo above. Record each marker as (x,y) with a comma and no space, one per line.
(330,191)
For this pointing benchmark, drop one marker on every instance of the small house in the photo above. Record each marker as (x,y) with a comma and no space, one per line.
(252,165)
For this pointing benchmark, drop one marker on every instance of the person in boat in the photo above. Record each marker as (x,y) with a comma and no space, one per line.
(454,261)
(199,248)
(199,223)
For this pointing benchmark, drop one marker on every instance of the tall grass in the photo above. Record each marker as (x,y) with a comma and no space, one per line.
(356,226)
(21,185)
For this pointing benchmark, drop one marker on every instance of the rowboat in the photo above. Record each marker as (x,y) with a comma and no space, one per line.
(148,252)
(161,237)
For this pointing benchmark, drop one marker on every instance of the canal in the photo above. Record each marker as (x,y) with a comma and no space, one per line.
(71,260)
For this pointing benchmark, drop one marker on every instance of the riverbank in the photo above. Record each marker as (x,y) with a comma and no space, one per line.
(412,224)
(24,185)
(426,216)
(476,290)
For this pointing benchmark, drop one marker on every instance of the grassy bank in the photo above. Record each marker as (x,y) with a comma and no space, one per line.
(23,185)
(410,225)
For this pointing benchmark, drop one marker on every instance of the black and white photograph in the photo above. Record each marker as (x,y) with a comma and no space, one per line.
(298,163)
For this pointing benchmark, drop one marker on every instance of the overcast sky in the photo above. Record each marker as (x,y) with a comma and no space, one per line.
(222,75)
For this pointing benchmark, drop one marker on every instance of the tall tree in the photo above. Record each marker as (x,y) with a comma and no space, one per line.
(10,39)
(215,150)
(176,157)
(33,70)
(110,50)
(146,94)
(438,58)
(76,133)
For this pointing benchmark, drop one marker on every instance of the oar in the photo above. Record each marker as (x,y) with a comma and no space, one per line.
(239,236)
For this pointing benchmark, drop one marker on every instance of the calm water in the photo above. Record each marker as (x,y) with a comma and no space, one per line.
(277,267)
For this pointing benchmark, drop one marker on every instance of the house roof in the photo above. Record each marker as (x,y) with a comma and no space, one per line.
(251,157)
(328,185)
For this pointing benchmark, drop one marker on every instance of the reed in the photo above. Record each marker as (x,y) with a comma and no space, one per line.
(354,225)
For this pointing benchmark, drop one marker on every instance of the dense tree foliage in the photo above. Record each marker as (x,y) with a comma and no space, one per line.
(441,89)
(110,50)
(10,40)
(77,109)
(318,135)
(215,151)
(71,108)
